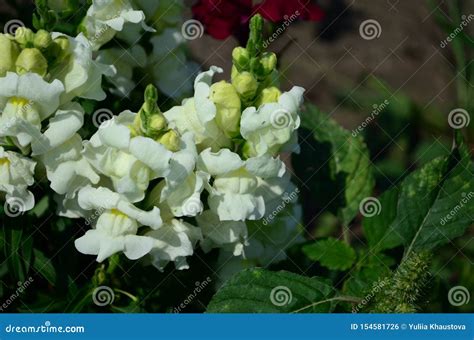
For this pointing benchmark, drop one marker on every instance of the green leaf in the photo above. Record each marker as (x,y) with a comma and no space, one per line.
(13,253)
(363,277)
(335,165)
(435,205)
(260,291)
(44,266)
(331,253)
(376,226)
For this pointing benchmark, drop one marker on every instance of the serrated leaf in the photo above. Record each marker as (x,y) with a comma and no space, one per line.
(331,253)
(435,205)
(258,290)
(335,164)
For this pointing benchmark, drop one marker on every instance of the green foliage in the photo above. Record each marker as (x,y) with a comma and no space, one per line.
(331,253)
(336,164)
(262,291)
(434,205)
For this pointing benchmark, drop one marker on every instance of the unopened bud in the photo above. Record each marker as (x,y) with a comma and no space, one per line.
(241,58)
(268,95)
(31,60)
(9,51)
(246,85)
(42,39)
(24,36)
(227,102)
(170,140)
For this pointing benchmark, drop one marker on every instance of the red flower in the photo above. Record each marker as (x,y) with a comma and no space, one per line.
(223,18)
(280,10)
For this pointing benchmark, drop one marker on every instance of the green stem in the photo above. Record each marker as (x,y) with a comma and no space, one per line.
(352,299)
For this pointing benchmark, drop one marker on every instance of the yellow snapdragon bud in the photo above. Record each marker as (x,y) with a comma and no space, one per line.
(9,51)
(24,36)
(268,62)
(227,101)
(156,123)
(245,84)
(240,58)
(31,60)
(42,39)
(268,95)
(170,139)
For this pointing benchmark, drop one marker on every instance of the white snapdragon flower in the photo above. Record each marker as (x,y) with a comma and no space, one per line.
(79,72)
(117,225)
(180,192)
(130,162)
(107,17)
(25,101)
(16,175)
(197,114)
(233,195)
(272,125)
(229,235)
(173,241)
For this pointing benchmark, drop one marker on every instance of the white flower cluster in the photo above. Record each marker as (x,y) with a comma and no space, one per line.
(167,65)
(204,173)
